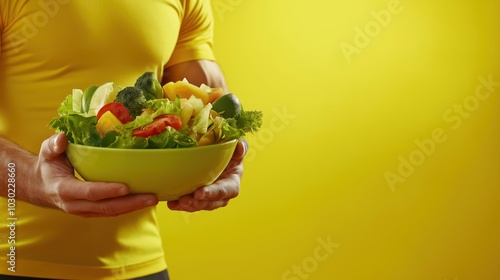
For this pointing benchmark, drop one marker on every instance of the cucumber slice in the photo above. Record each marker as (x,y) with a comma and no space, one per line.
(87,97)
(77,96)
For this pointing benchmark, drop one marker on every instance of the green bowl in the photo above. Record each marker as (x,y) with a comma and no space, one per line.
(168,173)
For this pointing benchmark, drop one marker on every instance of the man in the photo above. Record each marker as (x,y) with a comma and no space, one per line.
(63,228)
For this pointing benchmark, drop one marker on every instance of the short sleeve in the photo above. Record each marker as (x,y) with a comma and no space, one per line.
(195,40)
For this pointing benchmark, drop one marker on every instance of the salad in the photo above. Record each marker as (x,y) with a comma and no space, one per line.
(149,116)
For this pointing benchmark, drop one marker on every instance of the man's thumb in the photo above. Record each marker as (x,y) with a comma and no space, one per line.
(241,149)
(53,146)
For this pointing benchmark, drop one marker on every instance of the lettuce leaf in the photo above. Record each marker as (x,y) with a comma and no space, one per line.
(160,107)
(164,106)
(78,129)
(249,121)
(202,120)
(230,130)
(171,138)
(127,141)
(66,107)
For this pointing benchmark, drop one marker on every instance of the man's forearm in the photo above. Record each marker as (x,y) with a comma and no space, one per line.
(16,163)
(197,72)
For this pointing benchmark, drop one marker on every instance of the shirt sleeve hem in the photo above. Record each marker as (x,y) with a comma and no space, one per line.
(180,55)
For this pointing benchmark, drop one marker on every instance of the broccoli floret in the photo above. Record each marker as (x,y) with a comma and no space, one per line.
(133,99)
(150,86)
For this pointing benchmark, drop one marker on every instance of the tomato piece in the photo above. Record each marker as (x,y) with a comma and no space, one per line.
(158,126)
(118,110)
(173,121)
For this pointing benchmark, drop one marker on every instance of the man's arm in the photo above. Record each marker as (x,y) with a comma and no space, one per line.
(23,162)
(197,72)
(227,185)
(48,180)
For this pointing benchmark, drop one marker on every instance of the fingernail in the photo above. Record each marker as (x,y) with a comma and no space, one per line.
(149,202)
(245,146)
(186,202)
(56,146)
(122,191)
(204,194)
(53,143)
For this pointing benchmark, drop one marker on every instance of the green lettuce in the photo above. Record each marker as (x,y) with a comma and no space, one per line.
(160,107)
(79,129)
(127,141)
(171,138)
(249,121)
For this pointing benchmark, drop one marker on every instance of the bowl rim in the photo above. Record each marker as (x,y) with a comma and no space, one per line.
(227,143)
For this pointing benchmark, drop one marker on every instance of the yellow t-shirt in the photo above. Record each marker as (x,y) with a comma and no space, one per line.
(49,47)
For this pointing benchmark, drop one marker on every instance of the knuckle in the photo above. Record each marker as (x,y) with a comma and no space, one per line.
(218,204)
(70,209)
(229,192)
(57,195)
(58,189)
(44,147)
(234,194)
(221,193)
(185,201)
(201,204)
(89,194)
(106,209)
(65,207)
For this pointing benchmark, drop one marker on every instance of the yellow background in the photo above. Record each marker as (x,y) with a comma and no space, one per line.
(336,124)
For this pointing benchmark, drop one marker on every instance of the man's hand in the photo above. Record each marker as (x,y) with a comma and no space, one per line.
(227,185)
(56,186)
(221,191)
